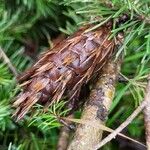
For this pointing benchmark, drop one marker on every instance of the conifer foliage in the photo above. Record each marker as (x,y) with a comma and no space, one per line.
(28,27)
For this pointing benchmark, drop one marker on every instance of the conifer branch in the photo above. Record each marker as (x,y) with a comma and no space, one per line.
(96,110)
(64,136)
(129,120)
(147,116)
(8,62)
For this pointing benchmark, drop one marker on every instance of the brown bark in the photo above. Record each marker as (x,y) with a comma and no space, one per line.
(96,110)
(147,117)
(63,140)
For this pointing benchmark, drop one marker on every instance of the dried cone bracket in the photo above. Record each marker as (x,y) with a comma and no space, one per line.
(62,71)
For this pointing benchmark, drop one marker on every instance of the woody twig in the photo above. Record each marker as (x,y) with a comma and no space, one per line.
(96,110)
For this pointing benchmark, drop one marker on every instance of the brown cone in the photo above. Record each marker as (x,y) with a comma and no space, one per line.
(65,68)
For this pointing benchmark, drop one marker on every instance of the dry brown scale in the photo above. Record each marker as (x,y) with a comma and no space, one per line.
(63,70)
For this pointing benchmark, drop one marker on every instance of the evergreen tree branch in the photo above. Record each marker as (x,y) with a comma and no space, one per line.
(63,140)
(96,110)
(8,62)
(147,117)
(128,120)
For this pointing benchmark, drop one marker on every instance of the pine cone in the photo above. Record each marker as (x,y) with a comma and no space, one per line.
(62,71)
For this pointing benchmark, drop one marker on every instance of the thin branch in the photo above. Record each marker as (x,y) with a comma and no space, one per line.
(147,121)
(96,110)
(63,140)
(8,62)
(128,120)
(104,128)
